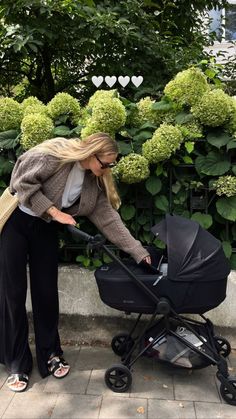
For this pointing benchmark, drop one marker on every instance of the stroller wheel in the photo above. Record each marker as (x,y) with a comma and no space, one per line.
(229,395)
(118,378)
(222,345)
(122,343)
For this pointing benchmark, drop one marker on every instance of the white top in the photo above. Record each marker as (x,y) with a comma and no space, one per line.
(73,186)
(72,189)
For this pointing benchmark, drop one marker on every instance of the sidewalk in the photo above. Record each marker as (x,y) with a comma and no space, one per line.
(158,391)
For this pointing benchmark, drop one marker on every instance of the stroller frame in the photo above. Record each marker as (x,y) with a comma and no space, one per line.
(118,377)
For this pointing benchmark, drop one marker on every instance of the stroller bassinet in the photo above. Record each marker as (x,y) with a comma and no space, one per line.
(193,281)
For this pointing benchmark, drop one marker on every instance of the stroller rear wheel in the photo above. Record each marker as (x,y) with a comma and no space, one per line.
(122,343)
(227,394)
(118,378)
(222,345)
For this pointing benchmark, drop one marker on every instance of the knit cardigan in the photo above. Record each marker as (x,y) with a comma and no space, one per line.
(39,181)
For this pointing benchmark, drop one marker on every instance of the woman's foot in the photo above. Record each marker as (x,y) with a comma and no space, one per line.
(58,367)
(18,382)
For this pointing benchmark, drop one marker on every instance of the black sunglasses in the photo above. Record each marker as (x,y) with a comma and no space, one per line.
(105,165)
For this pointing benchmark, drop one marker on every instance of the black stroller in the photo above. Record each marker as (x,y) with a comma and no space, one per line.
(191,278)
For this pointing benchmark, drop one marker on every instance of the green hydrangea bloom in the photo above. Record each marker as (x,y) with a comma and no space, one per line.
(35,129)
(225,185)
(101,95)
(109,115)
(191,130)
(231,125)
(144,113)
(37,108)
(10,114)
(164,142)
(132,169)
(31,101)
(213,109)
(64,104)
(187,87)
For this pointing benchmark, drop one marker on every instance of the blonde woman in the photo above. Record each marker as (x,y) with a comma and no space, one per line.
(55,181)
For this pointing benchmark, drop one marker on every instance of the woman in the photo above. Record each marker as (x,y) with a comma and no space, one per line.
(55,181)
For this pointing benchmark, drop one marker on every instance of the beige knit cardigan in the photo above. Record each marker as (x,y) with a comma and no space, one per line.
(39,182)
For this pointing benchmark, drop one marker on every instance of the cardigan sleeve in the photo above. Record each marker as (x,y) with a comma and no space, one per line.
(109,222)
(28,176)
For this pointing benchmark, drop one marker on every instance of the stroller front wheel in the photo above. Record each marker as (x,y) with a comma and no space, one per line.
(118,378)
(229,395)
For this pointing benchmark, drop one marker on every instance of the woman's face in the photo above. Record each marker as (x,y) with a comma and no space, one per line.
(98,164)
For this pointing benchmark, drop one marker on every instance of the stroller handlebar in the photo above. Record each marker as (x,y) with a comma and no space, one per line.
(80,234)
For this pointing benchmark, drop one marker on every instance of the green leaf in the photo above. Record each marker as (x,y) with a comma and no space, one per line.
(160,244)
(97,263)
(227,249)
(210,73)
(142,219)
(233,261)
(143,136)
(187,160)
(212,164)
(5,166)
(231,144)
(127,212)
(189,145)
(205,220)
(106,258)
(61,131)
(226,207)
(218,138)
(153,185)
(124,148)
(162,106)
(183,118)
(9,139)
(234,169)
(176,187)
(162,203)
(159,170)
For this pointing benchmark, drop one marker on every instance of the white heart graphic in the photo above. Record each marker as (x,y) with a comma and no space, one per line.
(137,80)
(123,80)
(110,80)
(97,80)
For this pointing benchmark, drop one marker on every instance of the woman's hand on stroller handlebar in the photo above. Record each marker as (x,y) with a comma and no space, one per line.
(147,259)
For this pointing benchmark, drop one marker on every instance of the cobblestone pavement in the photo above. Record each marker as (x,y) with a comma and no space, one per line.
(157,392)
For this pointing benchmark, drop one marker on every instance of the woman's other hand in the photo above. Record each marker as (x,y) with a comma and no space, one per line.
(147,259)
(61,217)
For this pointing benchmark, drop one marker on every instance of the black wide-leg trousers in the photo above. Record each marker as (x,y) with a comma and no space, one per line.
(27,239)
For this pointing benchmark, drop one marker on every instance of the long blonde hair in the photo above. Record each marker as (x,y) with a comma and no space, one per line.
(72,150)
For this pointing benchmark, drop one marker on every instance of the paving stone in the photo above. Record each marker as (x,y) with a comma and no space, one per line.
(215,411)
(96,358)
(5,399)
(30,406)
(200,386)
(3,376)
(97,385)
(74,382)
(70,406)
(151,384)
(170,409)
(123,408)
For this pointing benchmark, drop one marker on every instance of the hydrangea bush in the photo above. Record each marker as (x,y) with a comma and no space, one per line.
(176,153)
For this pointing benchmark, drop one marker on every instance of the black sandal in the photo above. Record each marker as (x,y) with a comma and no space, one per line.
(55,364)
(18,378)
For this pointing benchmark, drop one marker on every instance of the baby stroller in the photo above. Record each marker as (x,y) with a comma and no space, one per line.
(190,278)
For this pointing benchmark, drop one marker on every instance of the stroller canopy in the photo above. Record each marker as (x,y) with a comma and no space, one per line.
(193,253)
